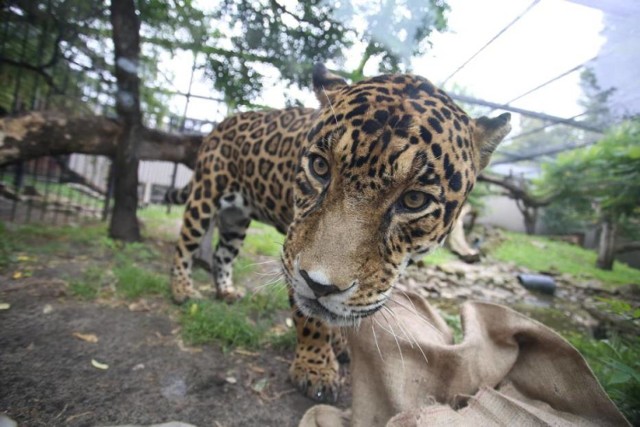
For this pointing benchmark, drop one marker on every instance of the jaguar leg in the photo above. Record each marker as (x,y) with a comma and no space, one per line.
(198,214)
(233,223)
(314,369)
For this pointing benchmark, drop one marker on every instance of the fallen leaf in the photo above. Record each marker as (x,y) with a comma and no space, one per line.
(22,258)
(48,308)
(245,352)
(193,309)
(17,275)
(256,369)
(139,306)
(5,306)
(260,385)
(186,348)
(99,365)
(92,338)
(231,380)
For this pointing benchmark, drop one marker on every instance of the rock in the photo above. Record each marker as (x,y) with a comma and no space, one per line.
(7,422)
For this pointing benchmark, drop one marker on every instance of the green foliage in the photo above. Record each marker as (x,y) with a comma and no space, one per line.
(241,45)
(440,256)
(133,282)
(88,287)
(606,174)
(7,246)
(207,321)
(245,323)
(616,364)
(542,254)
(479,192)
(455,323)
(263,239)
(286,340)
(267,301)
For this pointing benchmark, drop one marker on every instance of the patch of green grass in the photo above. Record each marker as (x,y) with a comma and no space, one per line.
(542,254)
(44,239)
(133,282)
(440,256)
(201,275)
(268,300)
(207,321)
(84,290)
(160,224)
(243,267)
(455,323)
(87,233)
(263,239)
(7,246)
(158,213)
(616,364)
(88,287)
(283,341)
(245,323)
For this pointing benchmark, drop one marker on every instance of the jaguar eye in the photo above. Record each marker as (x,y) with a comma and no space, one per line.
(319,167)
(414,200)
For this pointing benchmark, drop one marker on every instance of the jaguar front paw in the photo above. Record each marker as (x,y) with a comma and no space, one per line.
(317,377)
(182,290)
(230,294)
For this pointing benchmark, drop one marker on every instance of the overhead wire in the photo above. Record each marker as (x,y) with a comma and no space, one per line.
(494,38)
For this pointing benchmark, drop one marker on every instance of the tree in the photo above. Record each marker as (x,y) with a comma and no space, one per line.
(603,181)
(126,41)
(240,42)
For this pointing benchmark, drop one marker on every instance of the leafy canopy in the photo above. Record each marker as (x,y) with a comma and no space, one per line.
(242,45)
(603,177)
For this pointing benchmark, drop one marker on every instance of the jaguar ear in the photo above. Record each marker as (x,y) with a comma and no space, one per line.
(488,133)
(326,84)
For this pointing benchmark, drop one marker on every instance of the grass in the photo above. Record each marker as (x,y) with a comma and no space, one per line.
(87,287)
(246,323)
(160,224)
(43,239)
(133,282)
(440,256)
(263,239)
(542,254)
(616,364)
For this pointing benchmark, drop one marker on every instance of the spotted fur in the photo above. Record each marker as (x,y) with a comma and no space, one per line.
(374,177)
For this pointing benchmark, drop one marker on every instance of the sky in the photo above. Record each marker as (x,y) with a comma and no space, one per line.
(552,38)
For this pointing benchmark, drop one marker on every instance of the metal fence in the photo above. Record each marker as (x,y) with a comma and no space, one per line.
(70,188)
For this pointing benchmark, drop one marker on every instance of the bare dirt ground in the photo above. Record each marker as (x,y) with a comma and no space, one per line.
(47,378)
(48,349)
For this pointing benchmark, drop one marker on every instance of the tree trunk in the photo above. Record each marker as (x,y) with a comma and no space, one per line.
(530,218)
(126,41)
(48,133)
(606,247)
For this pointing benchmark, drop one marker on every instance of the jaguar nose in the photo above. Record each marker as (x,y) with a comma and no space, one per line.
(319,289)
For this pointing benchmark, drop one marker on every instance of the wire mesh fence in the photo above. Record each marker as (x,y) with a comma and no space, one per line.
(36,76)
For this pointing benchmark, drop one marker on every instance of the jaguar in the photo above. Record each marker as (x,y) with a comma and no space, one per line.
(371,180)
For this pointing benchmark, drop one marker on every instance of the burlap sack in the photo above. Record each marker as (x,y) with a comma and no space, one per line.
(508,370)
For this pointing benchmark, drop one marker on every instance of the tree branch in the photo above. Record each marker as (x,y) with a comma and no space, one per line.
(36,69)
(627,247)
(38,134)
(515,191)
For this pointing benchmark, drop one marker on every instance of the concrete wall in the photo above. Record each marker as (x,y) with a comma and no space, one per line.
(503,212)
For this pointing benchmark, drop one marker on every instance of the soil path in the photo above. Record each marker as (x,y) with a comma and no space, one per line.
(47,378)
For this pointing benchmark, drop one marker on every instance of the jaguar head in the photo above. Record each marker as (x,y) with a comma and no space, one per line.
(382,176)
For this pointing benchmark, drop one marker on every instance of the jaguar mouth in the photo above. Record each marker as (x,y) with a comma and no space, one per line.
(313,308)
